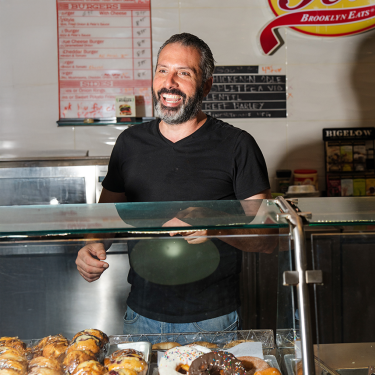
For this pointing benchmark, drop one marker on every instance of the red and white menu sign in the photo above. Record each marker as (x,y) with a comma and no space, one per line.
(104,51)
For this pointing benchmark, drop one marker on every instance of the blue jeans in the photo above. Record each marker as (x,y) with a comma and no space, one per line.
(136,324)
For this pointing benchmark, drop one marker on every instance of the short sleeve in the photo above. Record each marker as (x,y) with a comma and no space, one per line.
(113,181)
(250,170)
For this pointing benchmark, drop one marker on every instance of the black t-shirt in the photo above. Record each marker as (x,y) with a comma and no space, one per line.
(216,162)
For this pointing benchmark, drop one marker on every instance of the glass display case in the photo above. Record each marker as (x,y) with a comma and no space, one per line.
(300,270)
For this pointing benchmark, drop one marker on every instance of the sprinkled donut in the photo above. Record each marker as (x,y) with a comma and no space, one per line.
(217,362)
(253,364)
(177,361)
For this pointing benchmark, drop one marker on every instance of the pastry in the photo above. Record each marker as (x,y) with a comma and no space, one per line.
(206,344)
(43,362)
(74,358)
(85,342)
(234,343)
(20,367)
(89,368)
(13,342)
(177,360)
(217,362)
(126,358)
(268,371)
(101,336)
(165,345)
(253,364)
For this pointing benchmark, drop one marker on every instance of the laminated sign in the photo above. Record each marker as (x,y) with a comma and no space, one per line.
(104,52)
(332,18)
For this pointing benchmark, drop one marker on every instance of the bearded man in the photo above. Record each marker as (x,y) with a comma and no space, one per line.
(183,156)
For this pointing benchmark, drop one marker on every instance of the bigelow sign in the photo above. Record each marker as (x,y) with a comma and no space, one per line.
(329,18)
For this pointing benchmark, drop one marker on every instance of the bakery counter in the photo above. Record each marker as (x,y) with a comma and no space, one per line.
(45,294)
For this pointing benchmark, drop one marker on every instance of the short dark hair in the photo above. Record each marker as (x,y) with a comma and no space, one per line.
(207,63)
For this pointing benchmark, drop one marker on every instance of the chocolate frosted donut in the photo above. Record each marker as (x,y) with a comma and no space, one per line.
(215,363)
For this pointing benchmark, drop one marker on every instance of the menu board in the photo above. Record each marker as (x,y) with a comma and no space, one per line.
(104,49)
(240,92)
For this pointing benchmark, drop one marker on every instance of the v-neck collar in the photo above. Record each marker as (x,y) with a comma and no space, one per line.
(186,139)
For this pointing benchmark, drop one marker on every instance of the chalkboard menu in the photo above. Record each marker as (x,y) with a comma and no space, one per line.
(240,92)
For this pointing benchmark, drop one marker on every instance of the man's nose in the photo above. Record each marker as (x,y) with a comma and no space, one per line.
(170,80)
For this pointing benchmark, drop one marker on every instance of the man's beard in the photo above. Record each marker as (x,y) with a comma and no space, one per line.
(184,112)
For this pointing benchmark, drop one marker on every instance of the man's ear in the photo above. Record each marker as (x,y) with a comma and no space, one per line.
(207,86)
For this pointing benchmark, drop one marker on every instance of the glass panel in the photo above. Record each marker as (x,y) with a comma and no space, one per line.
(162,217)
(334,211)
(178,277)
(345,303)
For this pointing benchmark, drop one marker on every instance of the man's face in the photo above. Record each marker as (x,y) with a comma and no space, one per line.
(178,90)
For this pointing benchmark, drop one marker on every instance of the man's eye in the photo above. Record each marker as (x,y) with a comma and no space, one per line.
(185,73)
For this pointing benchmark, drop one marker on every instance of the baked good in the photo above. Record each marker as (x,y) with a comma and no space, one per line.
(89,368)
(121,371)
(253,364)
(268,371)
(43,371)
(165,345)
(43,362)
(11,353)
(74,358)
(13,342)
(206,344)
(299,368)
(101,336)
(56,350)
(20,367)
(217,361)
(178,360)
(126,358)
(234,343)
(85,342)
(37,350)
(8,371)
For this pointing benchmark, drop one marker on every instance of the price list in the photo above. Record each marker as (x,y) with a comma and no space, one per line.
(104,49)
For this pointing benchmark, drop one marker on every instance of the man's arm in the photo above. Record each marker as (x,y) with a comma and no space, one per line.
(90,259)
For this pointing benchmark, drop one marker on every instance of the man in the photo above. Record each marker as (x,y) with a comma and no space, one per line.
(184,156)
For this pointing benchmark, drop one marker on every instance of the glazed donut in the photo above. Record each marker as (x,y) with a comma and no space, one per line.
(269,371)
(178,360)
(43,371)
(37,350)
(126,358)
(165,345)
(253,364)
(234,343)
(217,362)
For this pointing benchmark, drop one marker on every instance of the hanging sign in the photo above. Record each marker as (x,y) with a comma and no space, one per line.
(104,49)
(324,18)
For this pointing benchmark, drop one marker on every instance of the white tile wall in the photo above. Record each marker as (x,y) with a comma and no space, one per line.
(331,81)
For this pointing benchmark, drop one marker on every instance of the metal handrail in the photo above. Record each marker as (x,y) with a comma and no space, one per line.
(295,220)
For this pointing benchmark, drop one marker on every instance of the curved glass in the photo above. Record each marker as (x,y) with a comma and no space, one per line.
(161,217)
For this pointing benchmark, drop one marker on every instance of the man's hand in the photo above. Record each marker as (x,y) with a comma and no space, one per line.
(193,237)
(90,261)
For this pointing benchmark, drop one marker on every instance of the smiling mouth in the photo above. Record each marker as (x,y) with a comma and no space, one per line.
(171,99)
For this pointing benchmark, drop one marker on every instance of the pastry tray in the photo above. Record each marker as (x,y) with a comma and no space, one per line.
(291,362)
(265,336)
(270,359)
